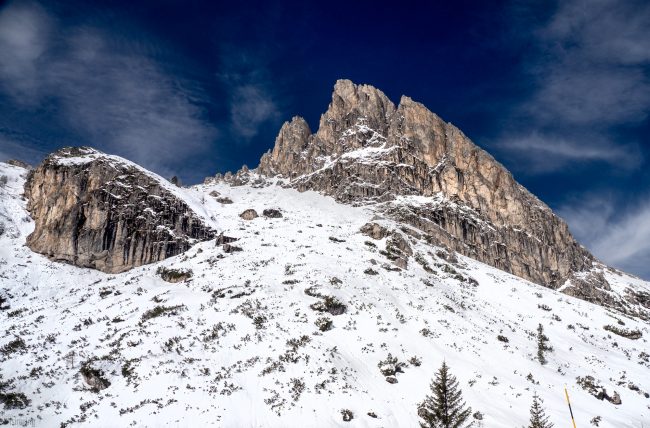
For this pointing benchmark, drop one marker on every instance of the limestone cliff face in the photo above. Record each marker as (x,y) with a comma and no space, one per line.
(92,210)
(367,150)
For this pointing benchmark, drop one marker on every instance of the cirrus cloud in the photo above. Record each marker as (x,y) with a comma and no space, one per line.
(588,67)
(617,234)
(114,97)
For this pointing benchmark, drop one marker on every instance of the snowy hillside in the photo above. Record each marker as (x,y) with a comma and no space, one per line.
(244,341)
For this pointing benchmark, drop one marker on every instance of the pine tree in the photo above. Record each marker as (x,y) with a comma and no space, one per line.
(538,418)
(541,345)
(445,408)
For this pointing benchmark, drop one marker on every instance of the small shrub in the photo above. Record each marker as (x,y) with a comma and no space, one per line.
(623,332)
(391,366)
(224,200)
(297,388)
(415,361)
(272,213)
(174,275)
(347,415)
(542,346)
(531,379)
(329,304)
(14,400)
(173,344)
(16,345)
(16,313)
(294,344)
(259,321)
(158,311)
(128,369)
(448,269)
(324,323)
(105,292)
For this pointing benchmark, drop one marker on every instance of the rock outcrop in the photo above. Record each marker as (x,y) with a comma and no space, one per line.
(100,211)
(425,172)
(249,214)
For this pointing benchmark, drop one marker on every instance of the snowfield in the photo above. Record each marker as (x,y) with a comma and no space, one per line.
(238,345)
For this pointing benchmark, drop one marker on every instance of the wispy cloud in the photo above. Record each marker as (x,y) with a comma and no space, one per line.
(589,68)
(14,149)
(544,153)
(252,100)
(115,98)
(618,235)
(24,33)
(592,71)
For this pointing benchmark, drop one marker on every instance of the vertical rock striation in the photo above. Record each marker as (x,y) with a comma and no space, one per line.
(102,212)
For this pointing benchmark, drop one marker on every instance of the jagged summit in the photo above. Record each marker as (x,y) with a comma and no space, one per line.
(368,151)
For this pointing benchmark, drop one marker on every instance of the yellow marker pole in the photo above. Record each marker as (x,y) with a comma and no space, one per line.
(566,393)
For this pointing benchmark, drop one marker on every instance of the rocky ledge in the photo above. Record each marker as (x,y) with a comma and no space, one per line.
(103,212)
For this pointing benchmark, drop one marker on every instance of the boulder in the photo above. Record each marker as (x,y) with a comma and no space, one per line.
(271,213)
(249,214)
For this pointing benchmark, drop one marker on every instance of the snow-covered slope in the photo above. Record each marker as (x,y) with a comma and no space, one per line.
(237,344)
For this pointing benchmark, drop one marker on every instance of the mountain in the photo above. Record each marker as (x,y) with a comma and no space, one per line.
(329,283)
(421,171)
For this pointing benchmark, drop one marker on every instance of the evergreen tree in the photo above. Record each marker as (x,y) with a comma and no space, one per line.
(542,345)
(538,418)
(445,408)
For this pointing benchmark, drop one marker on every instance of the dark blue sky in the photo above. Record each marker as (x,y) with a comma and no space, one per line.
(560,93)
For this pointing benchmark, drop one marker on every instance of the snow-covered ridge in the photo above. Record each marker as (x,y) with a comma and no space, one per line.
(79,156)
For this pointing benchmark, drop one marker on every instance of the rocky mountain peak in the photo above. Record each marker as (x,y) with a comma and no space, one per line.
(422,171)
(289,144)
(355,104)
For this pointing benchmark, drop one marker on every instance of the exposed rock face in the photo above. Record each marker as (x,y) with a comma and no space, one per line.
(102,212)
(374,230)
(367,150)
(94,378)
(19,163)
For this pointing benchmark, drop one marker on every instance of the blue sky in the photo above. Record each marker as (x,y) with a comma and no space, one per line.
(558,92)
